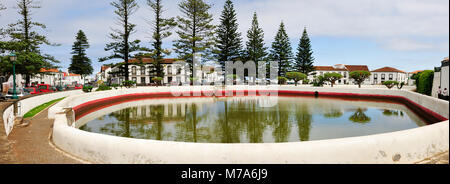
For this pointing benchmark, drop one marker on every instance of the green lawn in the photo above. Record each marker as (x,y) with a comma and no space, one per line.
(40,108)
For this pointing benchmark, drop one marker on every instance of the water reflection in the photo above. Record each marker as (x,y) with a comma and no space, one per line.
(360,117)
(241,120)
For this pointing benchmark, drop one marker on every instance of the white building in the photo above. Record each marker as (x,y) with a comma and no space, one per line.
(388,74)
(344,70)
(441,77)
(142,72)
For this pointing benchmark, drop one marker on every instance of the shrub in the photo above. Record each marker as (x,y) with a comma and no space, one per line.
(128,83)
(87,89)
(282,80)
(103,87)
(115,86)
(296,76)
(390,84)
(332,77)
(318,81)
(359,76)
(425,82)
(157,80)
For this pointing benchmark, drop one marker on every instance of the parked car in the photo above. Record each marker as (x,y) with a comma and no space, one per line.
(19,93)
(78,86)
(32,90)
(45,88)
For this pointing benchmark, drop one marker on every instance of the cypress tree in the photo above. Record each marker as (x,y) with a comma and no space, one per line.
(195,31)
(229,41)
(121,45)
(255,50)
(161,29)
(81,64)
(304,62)
(282,51)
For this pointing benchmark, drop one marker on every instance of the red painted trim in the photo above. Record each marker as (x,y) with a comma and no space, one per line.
(424,113)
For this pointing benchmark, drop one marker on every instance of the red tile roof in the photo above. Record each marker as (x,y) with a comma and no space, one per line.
(417,71)
(352,68)
(74,75)
(328,68)
(104,67)
(43,70)
(388,69)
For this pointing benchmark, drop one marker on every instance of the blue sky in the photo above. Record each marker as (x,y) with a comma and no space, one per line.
(406,34)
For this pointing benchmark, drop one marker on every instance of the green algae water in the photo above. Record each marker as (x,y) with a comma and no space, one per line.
(243,120)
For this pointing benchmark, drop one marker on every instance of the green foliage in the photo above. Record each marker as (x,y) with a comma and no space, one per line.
(121,46)
(161,30)
(128,83)
(81,64)
(103,87)
(255,50)
(359,76)
(87,89)
(40,108)
(282,80)
(229,40)
(390,84)
(282,51)
(296,76)
(305,61)
(157,80)
(318,81)
(25,41)
(196,31)
(332,77)
(115,86)
(425,82)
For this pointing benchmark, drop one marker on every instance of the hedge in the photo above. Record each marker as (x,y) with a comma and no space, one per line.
(425,82)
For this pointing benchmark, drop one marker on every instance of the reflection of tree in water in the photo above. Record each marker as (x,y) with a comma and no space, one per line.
(188,131)
(387,112)
(279,119)
(360,117)
(304,119)
(122,128)
(333,113)
(227,127)
(134,125)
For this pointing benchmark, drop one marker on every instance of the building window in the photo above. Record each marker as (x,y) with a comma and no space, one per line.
(143,70)
(375,76)
(143,80)
(383,76)
(391,76)
(134,79)
(169,70)
(133,70)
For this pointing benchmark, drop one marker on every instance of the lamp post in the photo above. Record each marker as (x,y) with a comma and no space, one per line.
(13,58)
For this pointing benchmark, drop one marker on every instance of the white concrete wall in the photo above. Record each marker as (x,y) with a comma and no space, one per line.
(8,119)
(407,146)
(27,104)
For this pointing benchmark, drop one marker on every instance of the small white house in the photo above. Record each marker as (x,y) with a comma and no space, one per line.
(388,74)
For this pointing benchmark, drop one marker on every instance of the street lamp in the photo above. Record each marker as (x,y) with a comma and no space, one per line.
(13,58)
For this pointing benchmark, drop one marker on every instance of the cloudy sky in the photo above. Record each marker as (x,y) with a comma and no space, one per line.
(406,34)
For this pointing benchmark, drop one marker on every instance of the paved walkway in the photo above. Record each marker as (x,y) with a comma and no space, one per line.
(32,145)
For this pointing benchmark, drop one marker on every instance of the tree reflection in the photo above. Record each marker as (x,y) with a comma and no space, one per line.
(304,119)
(333,113)
(280,119)
(360,117)
(388,112)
